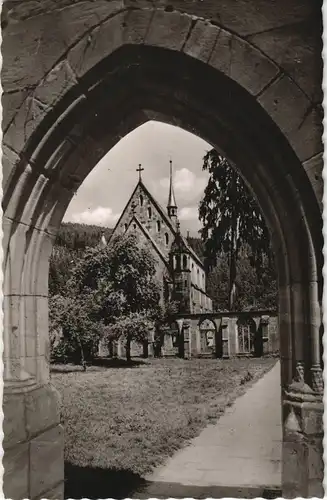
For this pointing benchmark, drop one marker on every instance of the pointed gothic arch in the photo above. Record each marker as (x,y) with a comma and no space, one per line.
(261,119)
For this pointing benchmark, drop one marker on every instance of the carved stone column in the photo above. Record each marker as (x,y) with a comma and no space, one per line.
(33,437)
(225,334)
(181,352)
(315,323)
(187,338)
(303,467)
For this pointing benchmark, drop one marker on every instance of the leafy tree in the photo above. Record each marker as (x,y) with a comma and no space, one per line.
(133,326)
(120,284)
(80,332)
(231,219)
(161,318)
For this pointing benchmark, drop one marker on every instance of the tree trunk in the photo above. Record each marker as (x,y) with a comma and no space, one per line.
(232,268)
(128,349)
(145,349)
(181,350)
(83,362)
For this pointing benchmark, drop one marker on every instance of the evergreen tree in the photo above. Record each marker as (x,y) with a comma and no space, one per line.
(231,219)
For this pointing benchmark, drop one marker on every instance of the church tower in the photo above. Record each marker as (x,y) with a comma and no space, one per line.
(180,265)
(172,205)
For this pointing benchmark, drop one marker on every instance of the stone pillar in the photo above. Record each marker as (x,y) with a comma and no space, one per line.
(33,437)
(218,338)
(233,336)
(315,324)
(225,335)
(262,337)
(181,347)
(33,443)
(303,467)
(187,339)
(194,337)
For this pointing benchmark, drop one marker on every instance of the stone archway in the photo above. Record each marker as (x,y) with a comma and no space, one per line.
(64,108)
(246,333)
(208,334)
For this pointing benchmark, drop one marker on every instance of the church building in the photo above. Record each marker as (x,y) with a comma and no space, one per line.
(196,330)
(179,268)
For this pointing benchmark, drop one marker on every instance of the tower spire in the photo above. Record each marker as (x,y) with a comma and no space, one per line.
(172,205)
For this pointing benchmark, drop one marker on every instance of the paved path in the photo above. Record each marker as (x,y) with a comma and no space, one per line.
(241,451)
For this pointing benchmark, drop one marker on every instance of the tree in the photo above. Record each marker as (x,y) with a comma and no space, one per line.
(81,333)
(161,316)
(133,326)
(120,283)
(231,219)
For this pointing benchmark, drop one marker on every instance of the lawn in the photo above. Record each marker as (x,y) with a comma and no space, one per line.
(133,418)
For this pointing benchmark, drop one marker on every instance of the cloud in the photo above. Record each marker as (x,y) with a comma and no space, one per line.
(188,214)
(186,183)
(100,216)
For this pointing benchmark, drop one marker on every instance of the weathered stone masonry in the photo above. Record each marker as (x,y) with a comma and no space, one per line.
(77,76)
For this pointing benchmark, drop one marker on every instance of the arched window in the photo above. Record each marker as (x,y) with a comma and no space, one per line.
(125,227)
(134,226)
(246,331)
(149,212)
(141,200)
(184,262)
(207,333)
(158,226)
(166,239)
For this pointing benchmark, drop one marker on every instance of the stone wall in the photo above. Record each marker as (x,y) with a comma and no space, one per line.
(225,336)
(226,333)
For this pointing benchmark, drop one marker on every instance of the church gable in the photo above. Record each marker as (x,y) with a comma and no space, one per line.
(137,228)
(150,215)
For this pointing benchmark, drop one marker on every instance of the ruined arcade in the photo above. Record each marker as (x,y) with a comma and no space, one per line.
(79,75)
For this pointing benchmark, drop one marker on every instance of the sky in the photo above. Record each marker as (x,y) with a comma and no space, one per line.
(106,190)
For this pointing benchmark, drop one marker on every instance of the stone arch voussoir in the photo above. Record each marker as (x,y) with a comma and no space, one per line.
(229,53)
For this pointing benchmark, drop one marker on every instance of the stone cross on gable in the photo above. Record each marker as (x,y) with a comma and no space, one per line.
(139,170)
